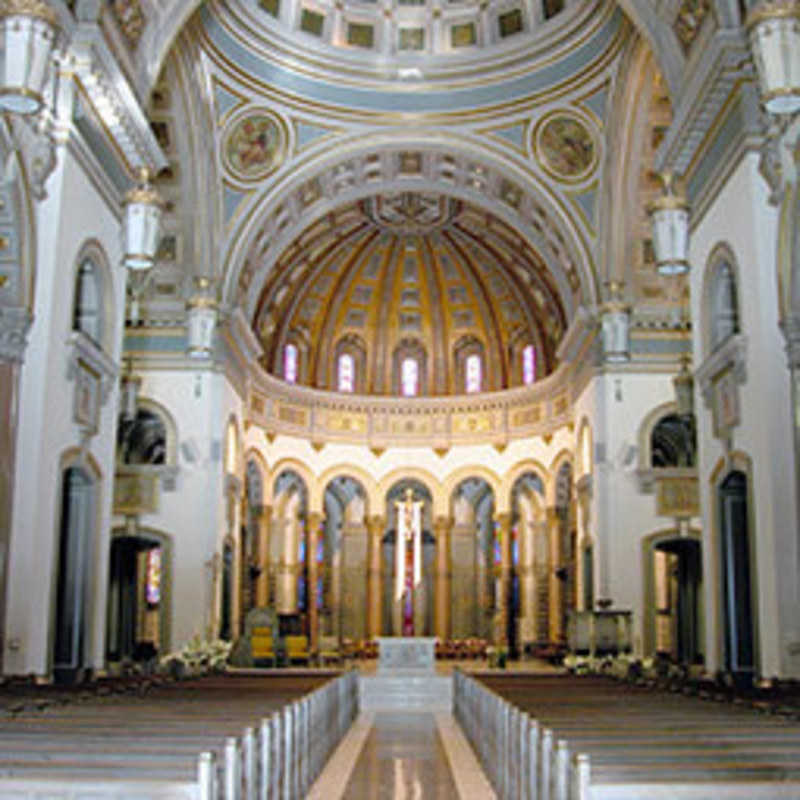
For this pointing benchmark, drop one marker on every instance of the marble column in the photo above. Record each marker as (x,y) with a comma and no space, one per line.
(526,569)
(504,589)
(315,520)
(262,584)
(234,521)
(442,527)
(555,593)
(354,587)
(376,525)
(467,582)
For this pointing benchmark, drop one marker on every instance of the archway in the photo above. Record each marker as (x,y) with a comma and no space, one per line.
(408,596)
(529,602)
(673,596)
(471,558)
(76,532)
(342,558)
(737,576)
(138,595)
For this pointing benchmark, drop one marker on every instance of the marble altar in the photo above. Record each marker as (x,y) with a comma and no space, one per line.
(406,654)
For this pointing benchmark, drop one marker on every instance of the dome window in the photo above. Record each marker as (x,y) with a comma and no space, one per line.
(290,363)
(473,373)
(409,377)
(528,364)
(346,373)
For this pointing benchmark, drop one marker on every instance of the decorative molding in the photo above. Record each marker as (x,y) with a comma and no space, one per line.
(731,353)
(725,63)
(84,350)
(92,61)
(15,323)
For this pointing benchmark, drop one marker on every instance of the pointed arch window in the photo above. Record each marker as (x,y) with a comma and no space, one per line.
(346,373)
(473,373)
(409,377)
(290,362)
(528,364)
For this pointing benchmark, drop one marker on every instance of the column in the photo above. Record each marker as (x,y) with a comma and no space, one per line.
(504,591)
(234,535)
(555,588)
(441,593)
(315,520)
(262,584)
(376,525)
(467,583)
(354,602)
(526,570)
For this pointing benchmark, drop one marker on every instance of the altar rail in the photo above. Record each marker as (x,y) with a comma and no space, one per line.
(282,757)
(518,755)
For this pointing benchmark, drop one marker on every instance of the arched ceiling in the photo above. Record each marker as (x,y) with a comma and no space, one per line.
(410,267)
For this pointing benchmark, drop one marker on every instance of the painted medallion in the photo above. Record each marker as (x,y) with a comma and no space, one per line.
(565,146)
(254,145)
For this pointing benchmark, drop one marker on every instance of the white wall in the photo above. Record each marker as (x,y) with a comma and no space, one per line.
(72,213)
(616,404)
(194,515)
(742,217)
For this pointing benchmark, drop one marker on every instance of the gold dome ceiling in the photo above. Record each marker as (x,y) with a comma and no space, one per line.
(410,274)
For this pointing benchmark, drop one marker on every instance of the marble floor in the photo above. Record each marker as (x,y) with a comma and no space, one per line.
(403,755)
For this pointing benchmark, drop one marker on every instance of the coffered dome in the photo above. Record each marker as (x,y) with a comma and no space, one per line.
(409,276)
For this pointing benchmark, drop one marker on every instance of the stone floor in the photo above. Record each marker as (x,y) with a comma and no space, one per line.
(395,755)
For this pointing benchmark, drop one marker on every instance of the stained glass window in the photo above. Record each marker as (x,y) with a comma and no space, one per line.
(347,372)
(153,577)
(409,377)
(473,373)
(528,364)
(290,363)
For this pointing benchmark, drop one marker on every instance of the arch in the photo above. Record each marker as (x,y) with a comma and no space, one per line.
(92,252)
(358,474)
(644,435)
(170,427)
(293,465)
(427,479)
(720,312)
(510,478)
(454,479)
(556,235)
(252,453)
(562,457)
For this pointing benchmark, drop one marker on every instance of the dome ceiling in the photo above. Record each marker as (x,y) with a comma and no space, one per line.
(424,274)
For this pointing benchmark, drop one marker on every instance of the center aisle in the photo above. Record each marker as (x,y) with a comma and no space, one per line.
(402,759)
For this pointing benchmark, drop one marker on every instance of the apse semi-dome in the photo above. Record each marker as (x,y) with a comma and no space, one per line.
(410,293)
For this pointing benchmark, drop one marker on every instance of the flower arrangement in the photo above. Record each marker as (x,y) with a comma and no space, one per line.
(197,657)
(497,656)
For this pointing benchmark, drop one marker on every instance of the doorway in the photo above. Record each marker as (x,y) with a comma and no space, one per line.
(737,576)
(137,598)
(677,571)
(75,536)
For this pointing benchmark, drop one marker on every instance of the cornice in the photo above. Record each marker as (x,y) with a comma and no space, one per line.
(93,63)
(723,67)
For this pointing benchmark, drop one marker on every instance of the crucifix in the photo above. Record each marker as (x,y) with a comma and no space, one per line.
(408,563)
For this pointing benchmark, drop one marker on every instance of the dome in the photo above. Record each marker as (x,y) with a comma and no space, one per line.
(410,277)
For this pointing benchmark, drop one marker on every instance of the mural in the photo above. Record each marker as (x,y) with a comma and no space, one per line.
(254,145)
(565,147)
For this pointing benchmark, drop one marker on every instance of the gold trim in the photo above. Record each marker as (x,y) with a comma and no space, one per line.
(29,8)
(769,10)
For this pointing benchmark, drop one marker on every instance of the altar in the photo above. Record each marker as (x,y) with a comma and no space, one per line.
(406,678)
(406,655)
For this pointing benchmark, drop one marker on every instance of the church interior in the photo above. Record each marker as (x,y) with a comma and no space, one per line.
(328,322)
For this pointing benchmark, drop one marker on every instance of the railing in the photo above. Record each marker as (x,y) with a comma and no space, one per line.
(520,757)
(282,757)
